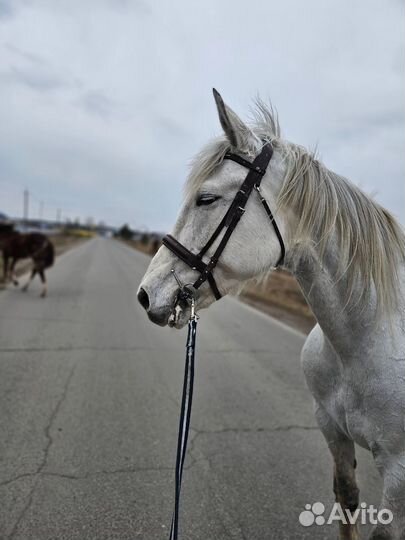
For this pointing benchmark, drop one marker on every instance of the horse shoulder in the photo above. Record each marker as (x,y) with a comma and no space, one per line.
(319,360)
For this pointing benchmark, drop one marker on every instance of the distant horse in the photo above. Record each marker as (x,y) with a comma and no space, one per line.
(36,246)
(348,255)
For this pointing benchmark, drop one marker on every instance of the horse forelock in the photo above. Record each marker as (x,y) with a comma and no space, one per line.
(264,124)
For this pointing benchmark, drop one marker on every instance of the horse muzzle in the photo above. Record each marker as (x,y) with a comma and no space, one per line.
(158,315)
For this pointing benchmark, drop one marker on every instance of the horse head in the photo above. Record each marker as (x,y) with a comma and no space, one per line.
(210,192)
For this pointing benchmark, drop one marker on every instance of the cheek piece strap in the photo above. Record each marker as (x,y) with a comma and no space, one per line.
(186,294)
(257,169)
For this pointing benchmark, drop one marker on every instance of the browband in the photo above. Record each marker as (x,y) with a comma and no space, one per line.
(257,169)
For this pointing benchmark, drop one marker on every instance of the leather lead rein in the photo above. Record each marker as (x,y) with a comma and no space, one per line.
(257,170)
(185,415)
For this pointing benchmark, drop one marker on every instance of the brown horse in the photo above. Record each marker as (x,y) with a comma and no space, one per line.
(17,246)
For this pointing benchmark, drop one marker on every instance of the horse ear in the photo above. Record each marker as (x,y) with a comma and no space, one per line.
(240,136)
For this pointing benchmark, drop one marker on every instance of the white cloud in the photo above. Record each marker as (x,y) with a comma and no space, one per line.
(103,103)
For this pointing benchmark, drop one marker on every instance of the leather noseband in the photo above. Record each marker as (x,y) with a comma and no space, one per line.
(257,169)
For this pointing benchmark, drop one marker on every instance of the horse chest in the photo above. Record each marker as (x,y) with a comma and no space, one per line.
(340,397)
(364,396)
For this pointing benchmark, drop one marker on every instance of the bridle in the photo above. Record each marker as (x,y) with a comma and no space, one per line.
(257,169)
(186,294)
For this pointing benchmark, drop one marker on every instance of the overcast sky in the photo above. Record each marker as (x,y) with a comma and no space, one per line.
(104,102)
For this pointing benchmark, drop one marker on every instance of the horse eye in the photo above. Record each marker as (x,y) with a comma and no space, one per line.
(206,199)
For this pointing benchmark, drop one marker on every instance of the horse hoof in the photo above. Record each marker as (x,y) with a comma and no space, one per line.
(43,294)
(24,289)
(15,283)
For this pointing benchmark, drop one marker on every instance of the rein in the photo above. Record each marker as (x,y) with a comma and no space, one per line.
(185,415)
(186,293)
(257,169)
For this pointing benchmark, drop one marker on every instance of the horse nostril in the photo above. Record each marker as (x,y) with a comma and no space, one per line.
(143,298)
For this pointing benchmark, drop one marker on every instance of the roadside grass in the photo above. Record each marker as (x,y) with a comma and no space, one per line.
(280,296)
(148,249)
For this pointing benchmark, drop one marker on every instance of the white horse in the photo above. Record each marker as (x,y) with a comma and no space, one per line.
(347,254)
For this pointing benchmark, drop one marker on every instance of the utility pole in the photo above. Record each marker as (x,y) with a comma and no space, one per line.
(41,210)
(58,215)
(26,206)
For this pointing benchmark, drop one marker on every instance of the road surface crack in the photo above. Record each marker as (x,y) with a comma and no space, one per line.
(46,450)
(124,470)
(86,476)
(16,478)
(198,432)
(287,427)
(73,349)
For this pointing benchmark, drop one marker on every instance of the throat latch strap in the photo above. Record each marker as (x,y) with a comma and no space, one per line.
(275,226)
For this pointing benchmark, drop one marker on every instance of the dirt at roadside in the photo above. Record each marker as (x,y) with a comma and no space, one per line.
(280,296)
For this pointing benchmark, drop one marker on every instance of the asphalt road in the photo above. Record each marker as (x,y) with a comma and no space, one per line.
(89,404)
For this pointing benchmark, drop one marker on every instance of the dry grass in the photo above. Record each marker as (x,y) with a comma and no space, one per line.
(148,249)
(281,297)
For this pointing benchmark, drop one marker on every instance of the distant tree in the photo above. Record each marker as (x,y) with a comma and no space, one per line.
(155,245)
(125,232)
(145,239)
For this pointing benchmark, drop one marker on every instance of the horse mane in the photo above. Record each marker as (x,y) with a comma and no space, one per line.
(370,242)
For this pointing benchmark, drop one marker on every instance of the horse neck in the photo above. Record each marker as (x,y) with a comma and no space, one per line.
(326,295)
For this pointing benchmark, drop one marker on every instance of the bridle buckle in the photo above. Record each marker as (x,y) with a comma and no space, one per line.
(257,169)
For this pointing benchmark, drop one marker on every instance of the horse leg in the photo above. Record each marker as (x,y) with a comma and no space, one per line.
(33,273)
(344,478)
(393,500)
(43,280)
(13,277)
(5,268)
